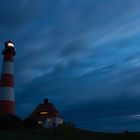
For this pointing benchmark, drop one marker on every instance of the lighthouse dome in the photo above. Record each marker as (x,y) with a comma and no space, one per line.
(9,43)
(9,47)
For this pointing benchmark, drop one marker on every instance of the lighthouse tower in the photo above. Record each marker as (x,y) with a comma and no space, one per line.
(7,103)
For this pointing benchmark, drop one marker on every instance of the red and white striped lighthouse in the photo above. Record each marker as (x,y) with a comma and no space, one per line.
(7,101)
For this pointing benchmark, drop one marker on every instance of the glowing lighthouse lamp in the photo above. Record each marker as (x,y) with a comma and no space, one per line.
(7,101)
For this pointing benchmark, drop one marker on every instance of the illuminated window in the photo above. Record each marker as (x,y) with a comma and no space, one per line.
(43,113)
(49,120)
(39,122)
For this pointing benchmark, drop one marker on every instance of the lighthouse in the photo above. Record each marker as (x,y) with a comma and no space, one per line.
(7,101)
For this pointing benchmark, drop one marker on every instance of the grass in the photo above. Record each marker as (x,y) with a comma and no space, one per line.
(64,134)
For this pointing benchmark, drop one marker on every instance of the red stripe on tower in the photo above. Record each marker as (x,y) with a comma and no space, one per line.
(7,101)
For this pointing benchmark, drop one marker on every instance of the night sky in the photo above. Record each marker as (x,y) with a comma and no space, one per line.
(84,55)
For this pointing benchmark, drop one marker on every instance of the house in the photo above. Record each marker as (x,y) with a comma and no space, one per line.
(47,115)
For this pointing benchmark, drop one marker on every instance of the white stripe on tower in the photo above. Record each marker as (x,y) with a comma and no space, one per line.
(8,68)
(7,93)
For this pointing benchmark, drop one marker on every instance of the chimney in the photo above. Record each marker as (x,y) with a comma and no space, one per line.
(46,101)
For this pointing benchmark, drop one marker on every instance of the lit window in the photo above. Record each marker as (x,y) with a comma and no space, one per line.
(39,122)
(49,120)
(43,113)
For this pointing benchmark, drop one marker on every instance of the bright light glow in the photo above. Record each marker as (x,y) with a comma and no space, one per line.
(39,122)
(10,44)
(43,113)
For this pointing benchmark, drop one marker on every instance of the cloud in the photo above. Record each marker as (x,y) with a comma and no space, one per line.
(80,54)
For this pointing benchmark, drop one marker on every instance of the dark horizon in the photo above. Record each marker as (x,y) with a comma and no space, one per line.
(84,55)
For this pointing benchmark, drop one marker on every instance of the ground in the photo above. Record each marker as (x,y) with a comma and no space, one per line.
(64,134)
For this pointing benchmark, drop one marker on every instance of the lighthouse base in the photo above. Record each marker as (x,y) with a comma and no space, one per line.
(7,108)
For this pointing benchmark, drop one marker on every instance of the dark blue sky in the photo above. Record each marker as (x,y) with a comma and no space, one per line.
(84,55)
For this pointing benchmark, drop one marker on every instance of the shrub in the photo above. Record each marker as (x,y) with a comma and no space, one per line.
(30,123)
(9,122)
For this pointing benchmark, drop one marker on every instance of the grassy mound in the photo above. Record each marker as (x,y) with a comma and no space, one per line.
(63,134)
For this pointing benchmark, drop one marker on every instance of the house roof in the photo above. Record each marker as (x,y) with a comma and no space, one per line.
(45,110)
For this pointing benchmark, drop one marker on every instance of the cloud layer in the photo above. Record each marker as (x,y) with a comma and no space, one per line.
(83,55)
